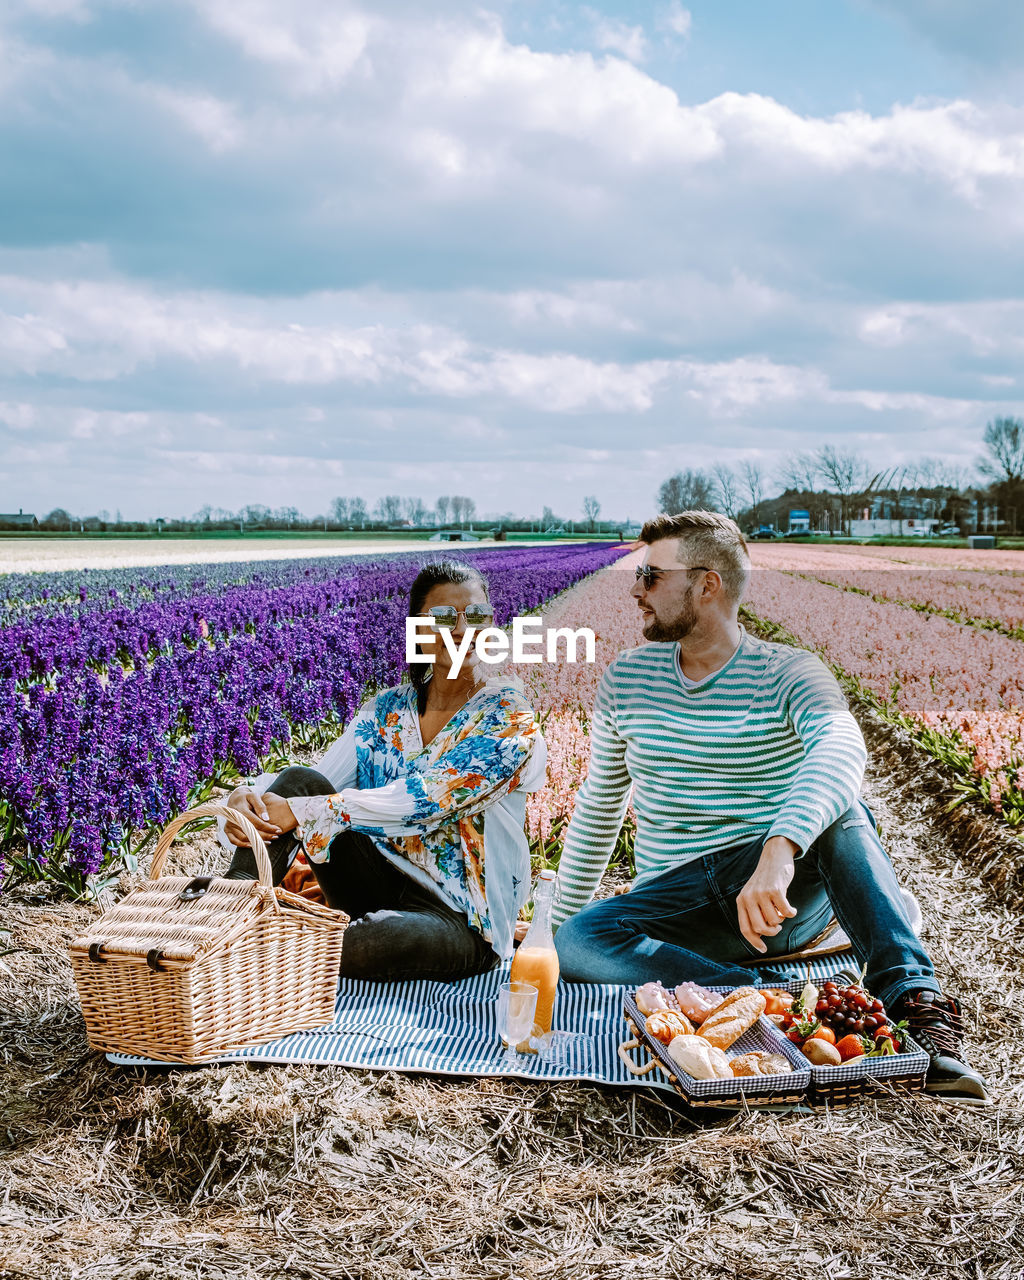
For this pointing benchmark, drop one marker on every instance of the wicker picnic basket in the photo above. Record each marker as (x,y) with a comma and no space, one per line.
(184,970)
(742,1091)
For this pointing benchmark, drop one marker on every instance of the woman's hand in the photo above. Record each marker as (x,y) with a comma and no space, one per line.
(246,801)
(280,812)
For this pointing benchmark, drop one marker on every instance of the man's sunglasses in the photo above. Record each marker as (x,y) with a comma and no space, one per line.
(649,575)
(447,616)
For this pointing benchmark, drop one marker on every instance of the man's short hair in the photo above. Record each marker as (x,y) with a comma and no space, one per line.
(706,538)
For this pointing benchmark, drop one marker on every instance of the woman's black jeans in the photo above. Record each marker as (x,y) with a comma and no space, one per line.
(399,929)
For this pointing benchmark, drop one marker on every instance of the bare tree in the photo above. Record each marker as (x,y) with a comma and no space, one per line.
(388,509)
(357,511)
(340,513)
(753,484)
(468,509)
(686,491)
(845,473)
(727,494)
(591,510)
(1004,441)
(455,502)
(58,518)
(798,472)
(415,510)
(442,509)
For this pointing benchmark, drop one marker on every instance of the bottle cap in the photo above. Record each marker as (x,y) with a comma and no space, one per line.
(547,875)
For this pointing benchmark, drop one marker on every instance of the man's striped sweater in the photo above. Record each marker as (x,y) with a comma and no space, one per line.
(765,746)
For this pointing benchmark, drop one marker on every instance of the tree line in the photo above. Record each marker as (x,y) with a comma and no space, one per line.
(831,484)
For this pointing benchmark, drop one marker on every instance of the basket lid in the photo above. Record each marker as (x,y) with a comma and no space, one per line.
(162,924)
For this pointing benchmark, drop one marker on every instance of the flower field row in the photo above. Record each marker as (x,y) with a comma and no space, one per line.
(963,559)
(984,598)
(959,690)
(113,717)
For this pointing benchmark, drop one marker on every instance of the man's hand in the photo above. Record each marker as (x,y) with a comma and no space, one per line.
(762,904)
(246,801)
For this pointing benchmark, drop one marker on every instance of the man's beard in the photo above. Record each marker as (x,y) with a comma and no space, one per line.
(676,628)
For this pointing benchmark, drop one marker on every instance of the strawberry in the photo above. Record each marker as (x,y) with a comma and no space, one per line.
(851,1047)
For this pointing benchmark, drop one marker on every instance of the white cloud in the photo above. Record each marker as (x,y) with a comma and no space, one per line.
(989,328)
(955,142)
(497,98)
(618,37)
(91,332)
(315,45)
(517,253)
(676,19)
(213,120)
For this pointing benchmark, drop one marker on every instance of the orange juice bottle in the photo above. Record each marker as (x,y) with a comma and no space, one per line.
(536,961)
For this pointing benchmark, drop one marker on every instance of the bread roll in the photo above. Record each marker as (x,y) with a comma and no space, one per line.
(733,1016)
(760,1064)
(775,1064)
(666,1024)
(699,1059)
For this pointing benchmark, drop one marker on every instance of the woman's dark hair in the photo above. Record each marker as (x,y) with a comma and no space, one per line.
(436,573)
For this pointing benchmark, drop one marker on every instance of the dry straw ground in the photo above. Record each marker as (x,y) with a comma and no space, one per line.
(312,1172)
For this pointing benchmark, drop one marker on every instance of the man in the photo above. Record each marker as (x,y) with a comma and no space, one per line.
(746,767)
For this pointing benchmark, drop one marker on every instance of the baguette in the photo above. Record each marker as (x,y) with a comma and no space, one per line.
(736,1014)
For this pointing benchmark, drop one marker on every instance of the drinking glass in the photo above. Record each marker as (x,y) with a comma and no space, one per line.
(517,1004)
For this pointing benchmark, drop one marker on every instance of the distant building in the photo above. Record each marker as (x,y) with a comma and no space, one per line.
(19,521)
(799,522)
(888,527)
(453,535)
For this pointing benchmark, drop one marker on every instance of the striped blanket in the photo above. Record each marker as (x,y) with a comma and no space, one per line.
(450,1029)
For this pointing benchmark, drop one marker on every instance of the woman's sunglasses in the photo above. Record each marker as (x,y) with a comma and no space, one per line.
(447,616)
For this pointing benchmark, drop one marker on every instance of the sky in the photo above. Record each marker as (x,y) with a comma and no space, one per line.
(526,251)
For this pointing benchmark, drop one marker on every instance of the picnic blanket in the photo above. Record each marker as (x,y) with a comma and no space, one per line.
(450,1029)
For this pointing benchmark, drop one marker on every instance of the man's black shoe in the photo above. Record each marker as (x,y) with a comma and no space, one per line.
(934,1022)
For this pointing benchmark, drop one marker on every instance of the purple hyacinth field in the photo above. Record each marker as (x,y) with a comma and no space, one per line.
(128,695)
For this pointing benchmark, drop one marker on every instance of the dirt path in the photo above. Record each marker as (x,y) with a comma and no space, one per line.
(331,1173)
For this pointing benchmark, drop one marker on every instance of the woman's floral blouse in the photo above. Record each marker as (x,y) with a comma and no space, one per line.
(451,814)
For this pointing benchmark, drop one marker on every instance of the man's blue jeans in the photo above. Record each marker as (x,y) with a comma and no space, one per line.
(683,926)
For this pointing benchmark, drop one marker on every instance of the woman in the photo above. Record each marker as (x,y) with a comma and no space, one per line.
(413,820)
